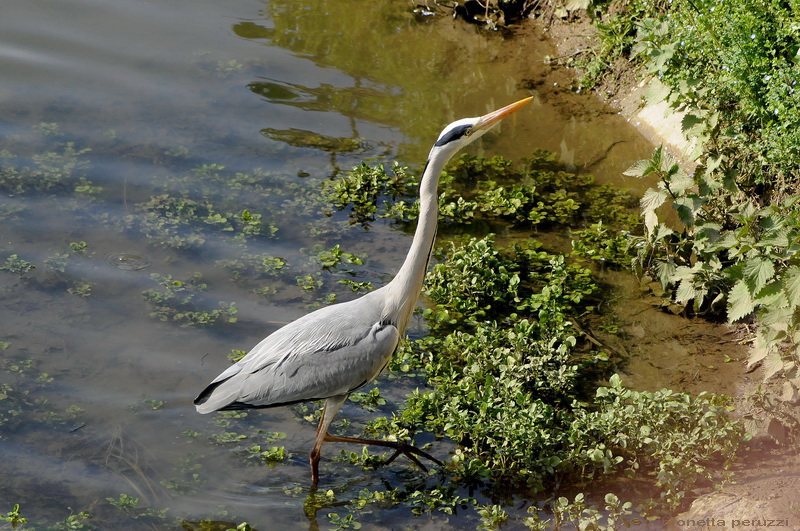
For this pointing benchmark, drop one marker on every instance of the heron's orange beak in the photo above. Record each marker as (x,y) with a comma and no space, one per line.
(487,121)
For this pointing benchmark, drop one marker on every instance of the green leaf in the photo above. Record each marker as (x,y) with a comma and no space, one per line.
(680,182)
(665,270)
(756,355)
(776,238)
(687,208)
(652,199)
(772,295)
(757,271)
(656,92)
(685,292)
(692,125)
(790,279)
(740,303)
(773,364)
(639,169)
(667,162)
(662,231)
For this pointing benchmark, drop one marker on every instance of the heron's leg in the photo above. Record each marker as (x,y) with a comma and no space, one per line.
(332,406)
(400,448)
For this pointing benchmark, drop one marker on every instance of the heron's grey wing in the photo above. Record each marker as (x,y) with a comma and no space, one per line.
(328,352)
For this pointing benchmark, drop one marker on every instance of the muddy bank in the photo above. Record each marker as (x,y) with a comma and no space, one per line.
(692,355)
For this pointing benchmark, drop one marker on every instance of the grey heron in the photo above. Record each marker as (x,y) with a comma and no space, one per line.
(331,352)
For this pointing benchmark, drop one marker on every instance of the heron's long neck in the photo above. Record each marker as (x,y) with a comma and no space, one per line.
(407,284)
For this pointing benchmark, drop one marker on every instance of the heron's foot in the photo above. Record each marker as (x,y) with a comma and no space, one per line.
(401,448)
(411,452)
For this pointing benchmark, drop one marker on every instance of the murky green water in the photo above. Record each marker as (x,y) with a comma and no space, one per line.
(282,94)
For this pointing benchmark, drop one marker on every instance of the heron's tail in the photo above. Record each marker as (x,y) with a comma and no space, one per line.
(214,397)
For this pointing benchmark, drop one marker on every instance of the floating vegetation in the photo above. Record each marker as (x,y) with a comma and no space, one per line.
(535,193)
(361,189)
(16,265)
(22,396)
(180,302)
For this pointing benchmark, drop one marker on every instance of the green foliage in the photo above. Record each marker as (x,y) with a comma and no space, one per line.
(363,186)
(195,207)
(343,522)
(584,515)
(510,387)
(73,522)
(16,265)
(537,193)
(253,266)
(58,169)
(270,456)
(14,517)
(733,258)
(478,282)
(731,66)
(334,257)
(124,503)
(369,400)
(604,246)
(680,438)
(180,301)
(22,399)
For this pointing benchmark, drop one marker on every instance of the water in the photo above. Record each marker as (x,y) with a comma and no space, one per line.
(155,90)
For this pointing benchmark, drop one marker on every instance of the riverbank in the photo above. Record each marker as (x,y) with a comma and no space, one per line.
(767,477)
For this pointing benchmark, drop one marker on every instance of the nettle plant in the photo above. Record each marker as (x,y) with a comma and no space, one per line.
(732,257)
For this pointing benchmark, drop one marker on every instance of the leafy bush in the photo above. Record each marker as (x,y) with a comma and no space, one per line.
(511,388)
(739,260)
(732,66)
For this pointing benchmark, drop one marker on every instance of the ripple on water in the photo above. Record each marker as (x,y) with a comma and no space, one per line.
(128,261)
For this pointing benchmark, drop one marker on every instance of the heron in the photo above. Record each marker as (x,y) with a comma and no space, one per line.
(335,350)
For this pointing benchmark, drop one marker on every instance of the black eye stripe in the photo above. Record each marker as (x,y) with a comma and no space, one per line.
(453,134)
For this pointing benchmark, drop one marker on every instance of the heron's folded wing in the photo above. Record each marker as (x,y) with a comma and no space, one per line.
(327,352)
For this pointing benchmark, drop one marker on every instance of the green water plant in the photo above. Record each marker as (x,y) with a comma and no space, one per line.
(14,517)
(23,402)
(535,193)
(130,506)
(16,265)
(181,302)
(362,188)
(509,386)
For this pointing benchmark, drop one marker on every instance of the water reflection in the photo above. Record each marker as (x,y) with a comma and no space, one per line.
(356,102)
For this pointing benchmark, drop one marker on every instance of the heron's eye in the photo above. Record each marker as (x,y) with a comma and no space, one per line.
(468,132)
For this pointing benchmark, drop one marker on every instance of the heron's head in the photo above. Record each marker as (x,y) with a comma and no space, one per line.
(465,131)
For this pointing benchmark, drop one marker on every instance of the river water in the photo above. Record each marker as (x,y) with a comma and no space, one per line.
(218,108)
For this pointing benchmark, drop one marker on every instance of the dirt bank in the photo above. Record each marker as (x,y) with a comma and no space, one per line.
(765,490)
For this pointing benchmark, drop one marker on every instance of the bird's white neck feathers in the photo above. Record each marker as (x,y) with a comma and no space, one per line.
(410,277)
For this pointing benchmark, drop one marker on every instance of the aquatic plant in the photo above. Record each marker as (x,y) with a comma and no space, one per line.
(535,193)
(180,301)
(361,188)
(16,265)
(14,517)
(23,403)
(510,387)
